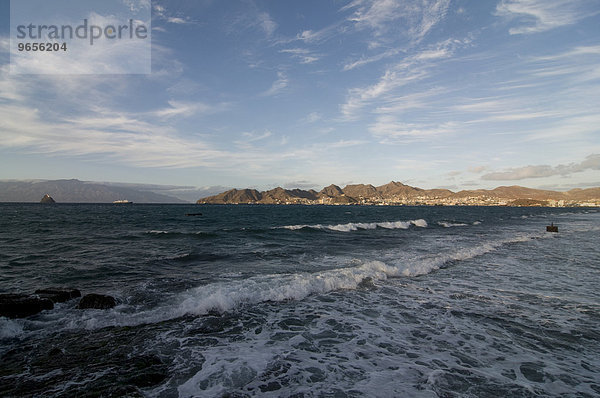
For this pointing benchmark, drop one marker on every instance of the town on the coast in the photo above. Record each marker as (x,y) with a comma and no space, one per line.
(396,193)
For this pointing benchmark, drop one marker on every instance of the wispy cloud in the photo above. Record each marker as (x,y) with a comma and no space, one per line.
(367,60)
(266,23)
(160,11)
(418,17)
(412,19)
(251,18)
(246,143)
(501,109)
(412,69)
(389,129)
(534,16)
(345,143)
(585,70)
(187,109)
(571,75)
(10,89)
(251,137)
(316,36)
(592,162)
(403,103)
(278,85)
(135,142)
(577,51)
(312,117)
(126,139)
(358,98)
(304,55)
(569,127)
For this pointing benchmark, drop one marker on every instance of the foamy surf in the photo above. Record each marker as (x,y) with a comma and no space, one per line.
(230,296)
(448,224)
(349,227)
(258,311)
(10,328)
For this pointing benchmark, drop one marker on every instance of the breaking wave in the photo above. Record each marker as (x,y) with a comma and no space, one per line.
(232,295)
(349,227)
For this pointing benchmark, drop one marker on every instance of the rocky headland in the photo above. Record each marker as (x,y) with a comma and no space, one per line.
(396,193)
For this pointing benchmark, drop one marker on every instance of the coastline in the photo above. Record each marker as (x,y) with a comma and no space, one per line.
(398,194)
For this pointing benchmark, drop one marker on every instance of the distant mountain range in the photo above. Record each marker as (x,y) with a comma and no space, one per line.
(75,191)
(398,193)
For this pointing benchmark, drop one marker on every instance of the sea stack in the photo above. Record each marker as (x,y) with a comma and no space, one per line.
(47,199)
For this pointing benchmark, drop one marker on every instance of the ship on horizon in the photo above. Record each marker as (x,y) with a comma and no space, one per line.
(122,202)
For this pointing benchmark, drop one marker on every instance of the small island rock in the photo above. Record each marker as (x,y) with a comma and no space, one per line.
(96,301)
(47,199)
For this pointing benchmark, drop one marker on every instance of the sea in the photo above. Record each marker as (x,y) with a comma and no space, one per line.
(303,301)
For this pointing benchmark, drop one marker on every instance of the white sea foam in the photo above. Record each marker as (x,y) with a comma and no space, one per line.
(448,224)
(361,226)
(231,295)
(234,294)
(10,328)
(413,338)
(228,296)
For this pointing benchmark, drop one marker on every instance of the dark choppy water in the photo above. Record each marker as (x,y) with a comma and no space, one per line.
(304,301)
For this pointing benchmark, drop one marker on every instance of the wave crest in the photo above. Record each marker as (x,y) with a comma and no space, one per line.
(349,227)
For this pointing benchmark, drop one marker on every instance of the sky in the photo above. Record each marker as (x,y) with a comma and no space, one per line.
(450,94)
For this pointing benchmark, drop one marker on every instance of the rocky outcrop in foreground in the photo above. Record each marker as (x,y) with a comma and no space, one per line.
(21,305)
(96,301)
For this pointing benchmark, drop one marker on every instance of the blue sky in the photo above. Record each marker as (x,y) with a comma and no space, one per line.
(433,93)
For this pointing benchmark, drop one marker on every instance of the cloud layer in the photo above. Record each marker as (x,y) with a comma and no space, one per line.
(592,162)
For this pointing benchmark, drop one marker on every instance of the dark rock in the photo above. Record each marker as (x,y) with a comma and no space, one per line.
(96,301)
(47,199)
(367,284)
(23,305)
(58,295)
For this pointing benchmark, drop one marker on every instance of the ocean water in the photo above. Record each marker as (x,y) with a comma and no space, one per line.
(304,301)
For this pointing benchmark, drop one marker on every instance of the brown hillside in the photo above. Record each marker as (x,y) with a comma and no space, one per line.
(361,191)
(332,190)
(398,189)
(233,196)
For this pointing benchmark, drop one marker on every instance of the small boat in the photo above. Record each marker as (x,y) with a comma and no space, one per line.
(551,228)
(122,202)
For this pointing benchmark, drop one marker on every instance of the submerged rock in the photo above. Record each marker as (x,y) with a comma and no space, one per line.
(23,305)
(96,301)
(367,284)
(58,295)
